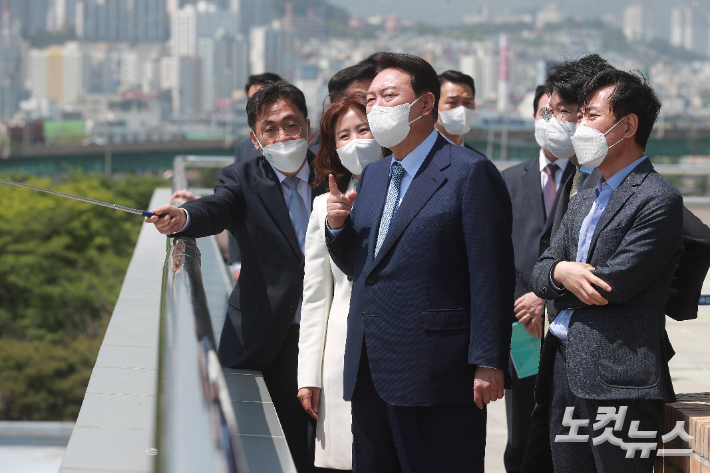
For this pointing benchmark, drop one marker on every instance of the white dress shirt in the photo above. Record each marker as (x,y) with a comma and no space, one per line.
(562,163)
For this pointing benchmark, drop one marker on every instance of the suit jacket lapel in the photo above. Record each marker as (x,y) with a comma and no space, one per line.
(268,188)
(568,171)
(428,180)
(531,183)
(618,198)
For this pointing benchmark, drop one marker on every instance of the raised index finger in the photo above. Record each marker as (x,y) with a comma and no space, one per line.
(334,191)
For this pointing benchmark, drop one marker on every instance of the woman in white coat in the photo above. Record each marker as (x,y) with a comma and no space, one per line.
(347,146)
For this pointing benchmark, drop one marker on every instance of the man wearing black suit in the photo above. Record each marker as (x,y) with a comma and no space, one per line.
(609,269)
(265,203)
(457,107)
(533,186)
(428,245)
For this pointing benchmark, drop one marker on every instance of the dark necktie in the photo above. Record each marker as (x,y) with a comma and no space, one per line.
(550,189)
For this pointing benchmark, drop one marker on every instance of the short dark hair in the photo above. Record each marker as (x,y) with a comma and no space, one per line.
(263,79)
(272,93)
(339,83)
(568,78)
(373,59)
(631,94)
(539,92)
(422,76)
(457,77)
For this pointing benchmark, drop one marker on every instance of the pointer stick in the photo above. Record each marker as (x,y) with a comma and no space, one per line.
(144,213)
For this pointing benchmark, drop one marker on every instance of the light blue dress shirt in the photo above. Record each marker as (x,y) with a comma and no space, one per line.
(413,161)
(603,193)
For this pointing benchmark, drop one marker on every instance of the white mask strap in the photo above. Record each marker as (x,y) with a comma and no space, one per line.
(622,138)
(410,105)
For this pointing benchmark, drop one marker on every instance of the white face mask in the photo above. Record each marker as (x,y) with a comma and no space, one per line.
(390,125)
(590,145)
(457,121)
(558,138)
(358,153)
(286,156)
(540,132)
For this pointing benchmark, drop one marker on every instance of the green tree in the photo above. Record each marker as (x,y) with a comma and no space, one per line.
(62,264)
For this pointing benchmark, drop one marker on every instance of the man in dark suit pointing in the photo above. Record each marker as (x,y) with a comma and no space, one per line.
(265,203)
(428,245)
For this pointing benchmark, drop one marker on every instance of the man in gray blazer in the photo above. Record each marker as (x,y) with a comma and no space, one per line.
(608,269)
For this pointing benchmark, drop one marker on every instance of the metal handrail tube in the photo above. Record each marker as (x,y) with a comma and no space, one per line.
(195,428)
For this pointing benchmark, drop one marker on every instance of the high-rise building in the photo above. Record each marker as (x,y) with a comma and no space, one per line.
(253,13)
(200,21)
(56,73)
(11,47)
(503,73)
(97,73)
(37,73)
(149,21)
(102,20)
(131,69)
(272,50)
(32,15)
(206,53)
(482,65)
(689,29)
(633,26)
(231,64)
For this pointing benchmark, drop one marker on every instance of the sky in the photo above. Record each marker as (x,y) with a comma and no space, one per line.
(444,12)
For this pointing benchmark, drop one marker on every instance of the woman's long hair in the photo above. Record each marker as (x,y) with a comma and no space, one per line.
(327,160)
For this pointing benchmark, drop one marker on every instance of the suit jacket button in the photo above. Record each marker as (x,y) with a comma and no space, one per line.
(292,309)
(543,290)
(370,280)
(545,241)
(350,278)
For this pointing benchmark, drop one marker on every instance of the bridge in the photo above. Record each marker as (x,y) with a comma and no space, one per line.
(494,141)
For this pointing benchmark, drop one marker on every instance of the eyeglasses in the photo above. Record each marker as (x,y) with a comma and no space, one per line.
(271,134)
(548,114)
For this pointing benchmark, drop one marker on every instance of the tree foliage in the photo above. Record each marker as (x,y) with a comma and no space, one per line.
(62,264)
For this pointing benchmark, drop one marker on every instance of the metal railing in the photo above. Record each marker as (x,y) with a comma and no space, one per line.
(196,428)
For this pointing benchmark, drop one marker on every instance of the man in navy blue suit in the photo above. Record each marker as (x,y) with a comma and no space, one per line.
(428,245)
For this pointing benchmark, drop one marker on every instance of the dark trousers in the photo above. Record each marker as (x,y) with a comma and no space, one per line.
(519,405)
(584,457)
(393,439)
(538,453)
(298,427)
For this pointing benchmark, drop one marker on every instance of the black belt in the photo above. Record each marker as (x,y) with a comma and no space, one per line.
(560,346)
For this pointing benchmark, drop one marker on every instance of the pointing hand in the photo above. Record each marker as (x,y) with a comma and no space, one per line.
(339,205)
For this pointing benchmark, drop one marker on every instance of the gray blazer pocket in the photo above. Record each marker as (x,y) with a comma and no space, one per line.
(447,319)
(626,358)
